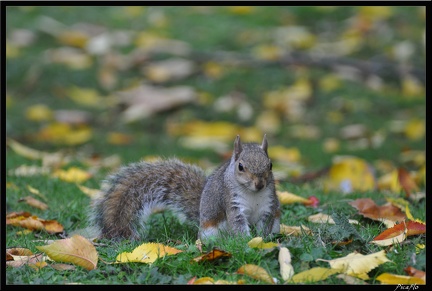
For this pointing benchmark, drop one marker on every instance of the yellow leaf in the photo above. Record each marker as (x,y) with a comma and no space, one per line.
(85,96)
(389,181)
(73,175)
(325,218)
(289,155)
(146,253)
(74,38)
(36,192)
(88,191)
(62,133)
(313,275)
(24,151)
(289,198)
(39,112)
(356,264)
(348,174)
(387,278)
(256,272)
(76,250)
(204,281)
(294,230)
(286,269)
(257,242)
(415,129)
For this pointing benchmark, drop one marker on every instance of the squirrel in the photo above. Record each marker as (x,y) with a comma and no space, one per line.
(238,196)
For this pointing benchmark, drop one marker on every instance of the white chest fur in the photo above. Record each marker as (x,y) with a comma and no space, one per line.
(254,204)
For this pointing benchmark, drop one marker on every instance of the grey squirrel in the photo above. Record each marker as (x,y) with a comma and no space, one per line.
(239,195)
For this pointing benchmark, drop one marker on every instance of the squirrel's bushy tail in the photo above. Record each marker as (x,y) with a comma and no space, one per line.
(136,191)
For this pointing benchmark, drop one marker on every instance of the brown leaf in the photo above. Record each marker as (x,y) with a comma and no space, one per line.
(369,209)
(212,256)
(32,222)
(34,202)
(407,182)
(24,260)
(413,272)
(17,252)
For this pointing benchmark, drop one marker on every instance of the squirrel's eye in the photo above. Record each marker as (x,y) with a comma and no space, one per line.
(241,167)
(271,165)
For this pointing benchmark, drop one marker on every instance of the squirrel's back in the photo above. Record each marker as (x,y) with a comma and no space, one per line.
(131,195)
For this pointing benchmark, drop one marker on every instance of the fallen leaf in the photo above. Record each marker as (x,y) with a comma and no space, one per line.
(290,198)
(38,265)
(64,134)
(76,250)
(213,255)
(348,174)
(31,222)
(369,209)
(257,242)
(38,113)
(387,278)
(24,151)
(390,236)
(413,272)
(407,182)
(313,275)
(36,192)
(286,269)
(88,191)
(34,202)
(11,252)
(325,218)
(256,272)
(289,155)
(19,261)
(356,264)
(294,230)
(73,175)
(410,227)
(146,253)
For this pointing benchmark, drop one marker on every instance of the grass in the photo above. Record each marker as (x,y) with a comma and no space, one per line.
(206,29)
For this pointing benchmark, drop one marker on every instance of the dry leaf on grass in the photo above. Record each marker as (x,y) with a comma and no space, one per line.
(76,250)
(358,265)
(146,253)
(256,272)
(212,256)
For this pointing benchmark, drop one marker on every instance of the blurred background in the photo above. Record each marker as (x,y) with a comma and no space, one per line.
(138,82)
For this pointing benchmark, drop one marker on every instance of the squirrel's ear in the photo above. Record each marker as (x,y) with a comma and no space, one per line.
(237,147)
(264,144)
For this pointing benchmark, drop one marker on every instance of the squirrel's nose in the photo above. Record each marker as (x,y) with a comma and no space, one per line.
(259,185)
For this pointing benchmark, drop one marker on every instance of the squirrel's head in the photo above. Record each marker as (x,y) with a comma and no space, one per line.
(253,167)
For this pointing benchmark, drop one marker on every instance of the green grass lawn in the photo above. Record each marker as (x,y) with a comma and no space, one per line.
(390,110)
